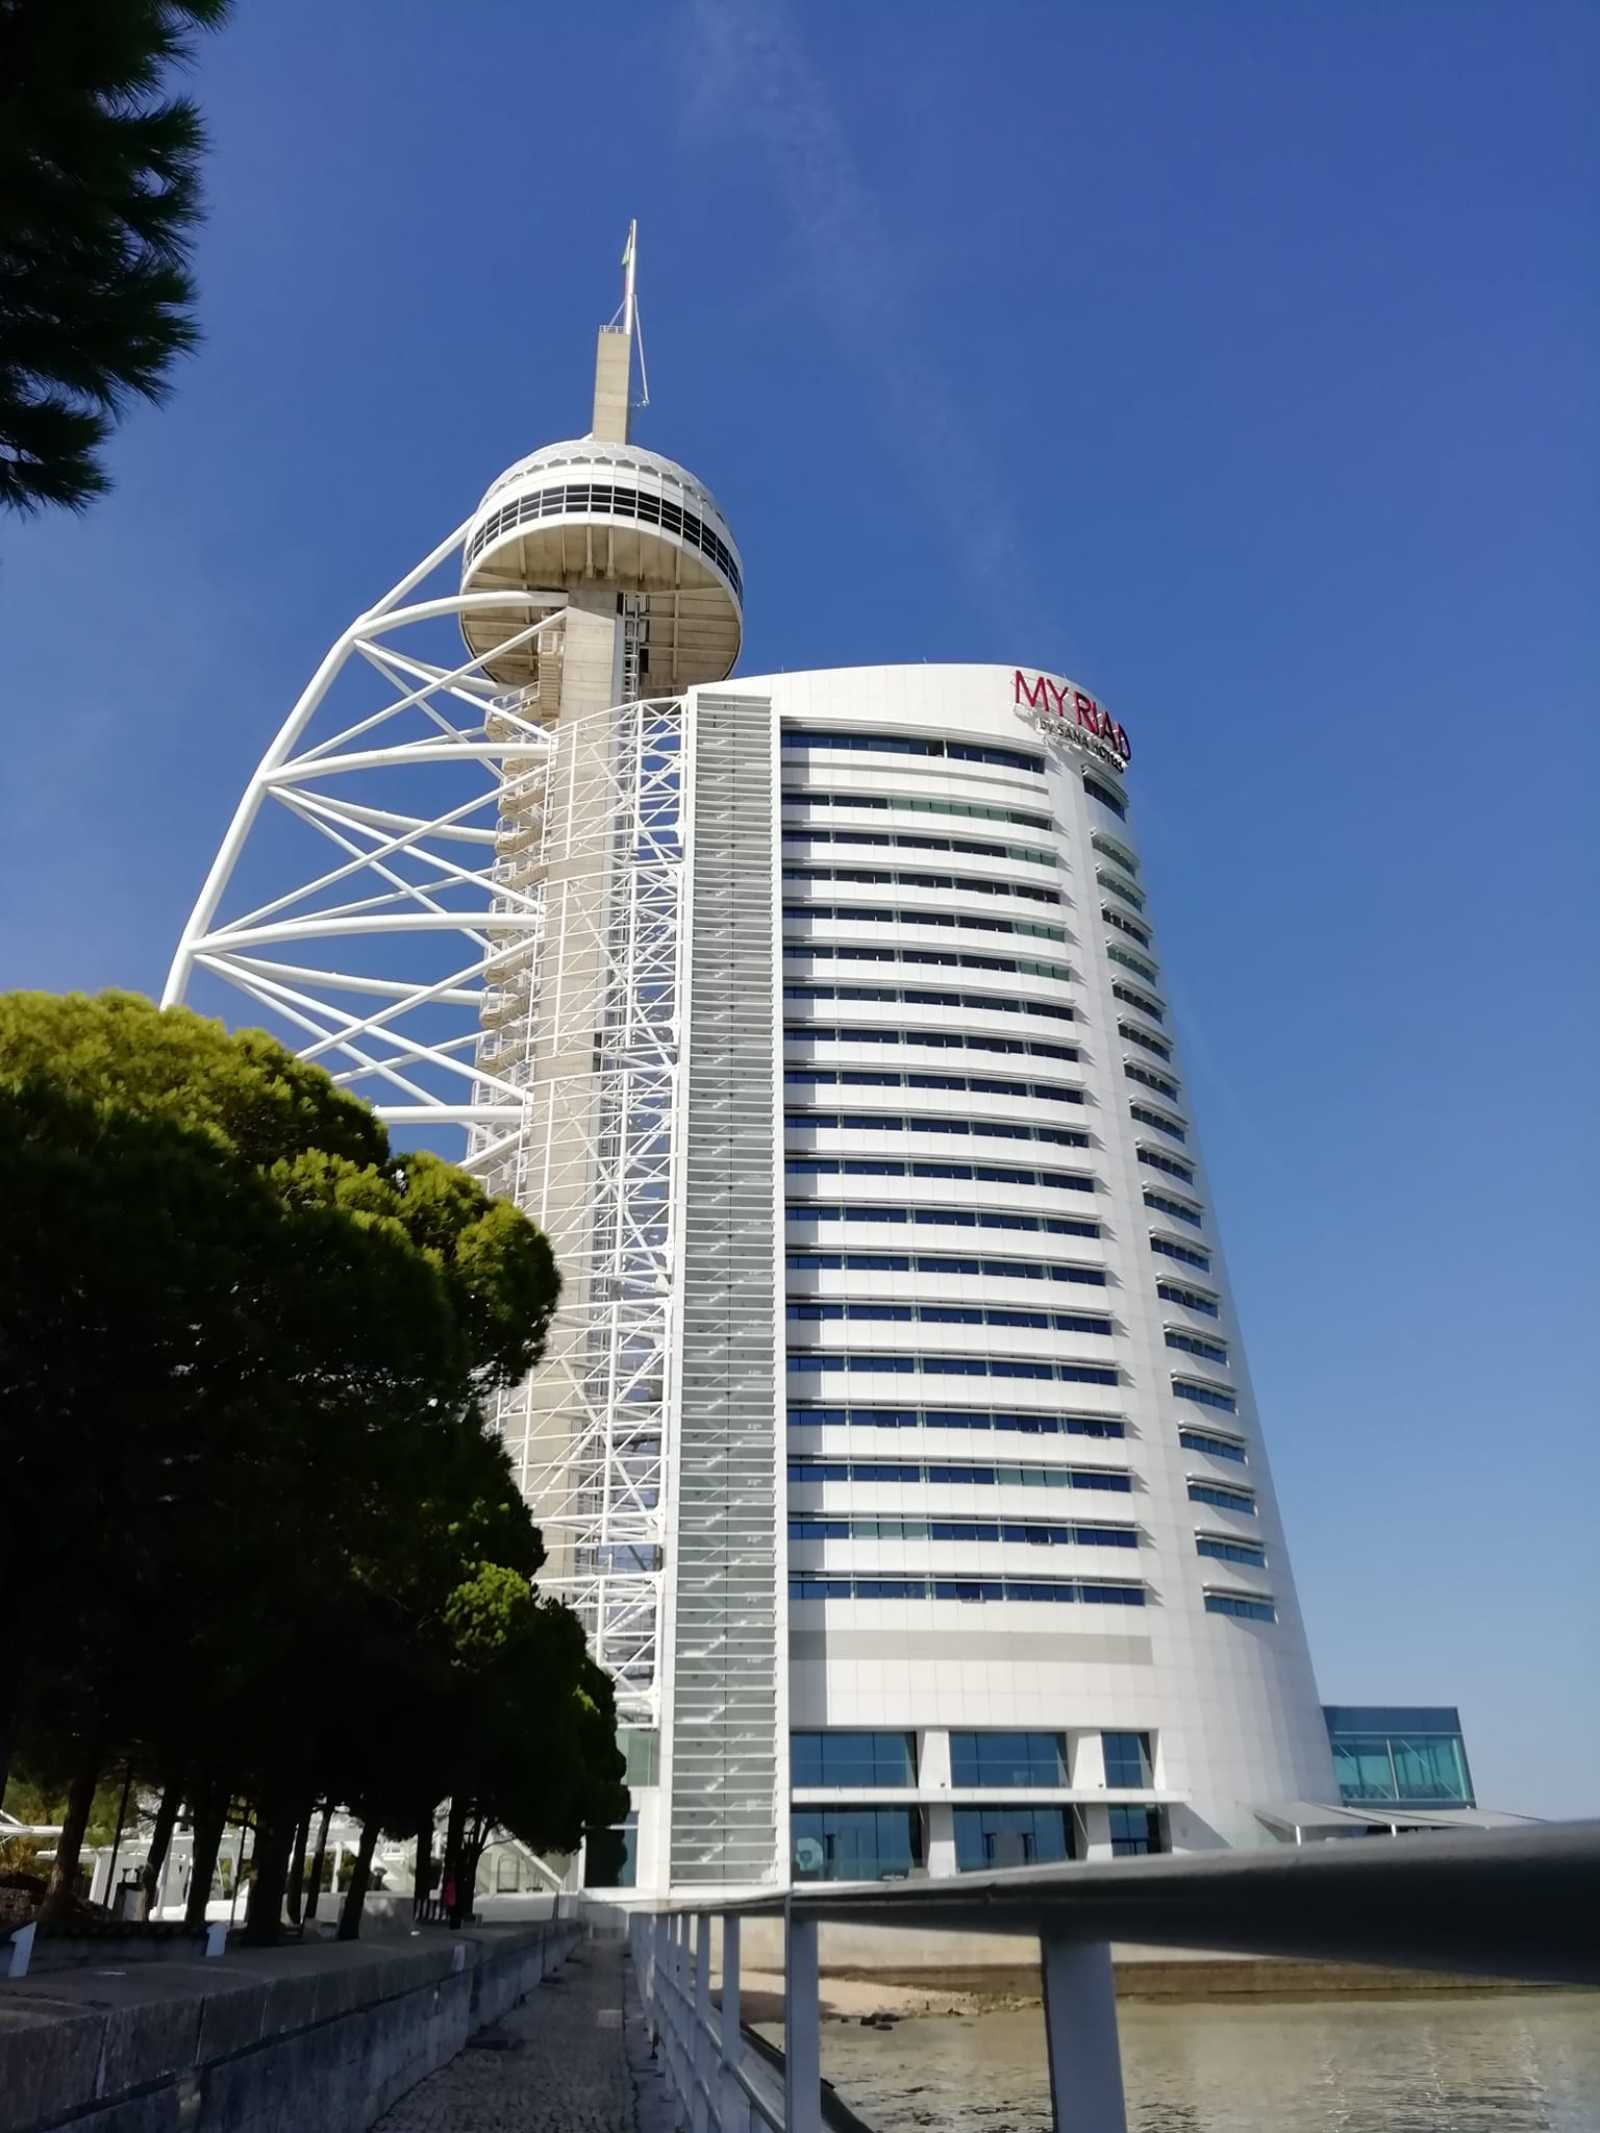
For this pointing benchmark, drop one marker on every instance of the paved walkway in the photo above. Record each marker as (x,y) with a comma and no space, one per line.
(573,2060)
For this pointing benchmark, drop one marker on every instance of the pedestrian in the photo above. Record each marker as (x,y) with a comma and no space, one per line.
(448,1892)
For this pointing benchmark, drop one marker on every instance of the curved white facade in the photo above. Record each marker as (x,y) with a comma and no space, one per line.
(1015,1274)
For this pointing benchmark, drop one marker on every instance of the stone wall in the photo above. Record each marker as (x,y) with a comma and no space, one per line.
(288,2040)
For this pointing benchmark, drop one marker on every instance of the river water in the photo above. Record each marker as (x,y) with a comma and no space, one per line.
(1519,2064)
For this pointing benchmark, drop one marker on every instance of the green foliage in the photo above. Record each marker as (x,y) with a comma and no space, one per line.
(242,1348)
(99,202)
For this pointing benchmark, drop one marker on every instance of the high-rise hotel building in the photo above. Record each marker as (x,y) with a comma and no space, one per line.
(896,1443)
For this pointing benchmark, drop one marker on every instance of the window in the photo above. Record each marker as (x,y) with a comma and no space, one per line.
(1011,1836)
(830,1166)
(944,959)
(1159,1119)
(1197,1344)
(1135,1831)
(979,1128)
(1033,1533)
(963,1472)
(1203,1440)
(919,878)
(1106,797)
(938,1263)
(1135,1035)
(1123,924)
(1205,1396)
(1170,1248)
(1223,1499)
(917,996)
(1248,1607)
(891,915)
(913,744)
(1162,1203)
(1109,848)
(1128,1761)
(855,1843)
(810,1360)
(1123,889)
(1008,1759)
(1130,998)
(887,840)
(978,1418)
(1158,1159)
(809,1309)
(868,1585)
(963,1218)
(947,1039)
(1217,1545)
(1191,1299)
(796,1077)
(908,803)
(852,1759)
(1150,1078)
(1135,963)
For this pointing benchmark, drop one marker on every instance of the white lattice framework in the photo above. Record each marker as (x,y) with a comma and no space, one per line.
(422,881)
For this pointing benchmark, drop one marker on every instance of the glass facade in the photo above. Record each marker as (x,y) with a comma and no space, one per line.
(1399,1755)
(1134,1831)
(1128,1759)
(855,1843)
(1011,1836)
(1008,1759)
(852,1759)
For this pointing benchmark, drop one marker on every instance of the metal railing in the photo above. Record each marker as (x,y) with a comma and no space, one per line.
(1519,1904)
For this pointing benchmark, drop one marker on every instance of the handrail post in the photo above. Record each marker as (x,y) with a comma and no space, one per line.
(1080,2026)
(701,2071)
(730,2098)
(802,2026)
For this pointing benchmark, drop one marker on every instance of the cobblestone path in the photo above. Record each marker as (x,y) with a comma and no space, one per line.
(566,2069)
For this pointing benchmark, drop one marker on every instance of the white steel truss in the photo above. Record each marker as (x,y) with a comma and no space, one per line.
(433,891)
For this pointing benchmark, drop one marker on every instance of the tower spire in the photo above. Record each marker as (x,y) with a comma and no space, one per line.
(613,362)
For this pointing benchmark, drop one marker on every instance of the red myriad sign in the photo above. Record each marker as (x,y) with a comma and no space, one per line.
(1066,713)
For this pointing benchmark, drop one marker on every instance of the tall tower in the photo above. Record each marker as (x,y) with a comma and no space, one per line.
(895,1443)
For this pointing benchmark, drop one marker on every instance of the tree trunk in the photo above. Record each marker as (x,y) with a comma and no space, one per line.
(62,1887)
(314,1894)
(274,1842)
(356,1894)
(423,1878)
(210,1818)
(161,1841)
(467,1883)
(450,1885)
(297,1867)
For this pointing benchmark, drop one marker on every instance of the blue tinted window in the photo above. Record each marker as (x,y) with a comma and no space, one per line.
(1190,1254)
(1223,1499)
(1242,1605)
(1211,1351)
(1106,797)
(1011,1836)
(855,1843)
(1135,1830)
(1197,1440)
(1206,1396)
(1249,1553)
(1127,1760)
(1007,1759)
(828,1758)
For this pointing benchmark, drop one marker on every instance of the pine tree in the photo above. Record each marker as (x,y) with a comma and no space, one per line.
(99,201)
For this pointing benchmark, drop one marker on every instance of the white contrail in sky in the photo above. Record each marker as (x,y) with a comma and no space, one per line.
(751,76)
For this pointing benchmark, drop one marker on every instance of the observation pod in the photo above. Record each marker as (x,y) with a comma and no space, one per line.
(592,514)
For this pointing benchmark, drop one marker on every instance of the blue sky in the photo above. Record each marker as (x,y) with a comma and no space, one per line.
(1236,360)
